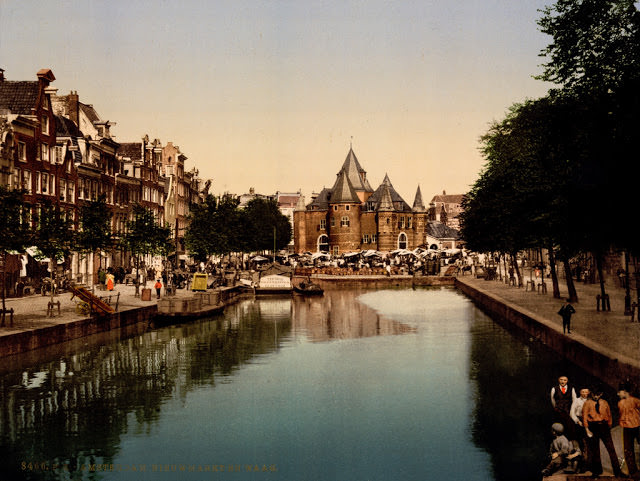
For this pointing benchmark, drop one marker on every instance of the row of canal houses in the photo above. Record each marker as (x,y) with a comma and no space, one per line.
(59,149)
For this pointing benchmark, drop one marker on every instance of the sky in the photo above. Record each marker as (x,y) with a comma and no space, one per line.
(272,94)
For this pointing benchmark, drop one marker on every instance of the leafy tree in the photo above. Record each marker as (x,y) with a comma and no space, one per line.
(144,236)
(215,227)
(54,236)
(15,234)
(95,227)
(595,58)
(262,221)
(595,47)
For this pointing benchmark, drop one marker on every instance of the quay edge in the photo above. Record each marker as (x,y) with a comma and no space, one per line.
(593,357)
(32,339)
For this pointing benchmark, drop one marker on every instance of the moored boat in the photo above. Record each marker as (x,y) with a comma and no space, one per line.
(308,288)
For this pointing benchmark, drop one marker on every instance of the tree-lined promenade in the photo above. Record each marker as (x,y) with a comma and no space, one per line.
(216,226)
(560,173)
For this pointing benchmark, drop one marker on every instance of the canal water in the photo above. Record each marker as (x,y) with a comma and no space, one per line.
(398,384)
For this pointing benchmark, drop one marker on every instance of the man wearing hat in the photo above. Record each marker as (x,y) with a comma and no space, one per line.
(629,408)
(596,417)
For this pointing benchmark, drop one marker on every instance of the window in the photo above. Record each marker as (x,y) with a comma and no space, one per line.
(44,152)
(374,238)
(52,184)
(71,192)
(401,222)
(38,182)
(333,222)
(63,190)
(22,151)
(336,250)
(409,222)
(335,207)
(347,207)
(366,239)
(26,181)
(17,179)
(59,154)
(44,124)
(323,224)
(45,182)
(402,241)
(344,222)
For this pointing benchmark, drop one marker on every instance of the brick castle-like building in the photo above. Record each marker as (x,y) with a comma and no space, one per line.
(351,216)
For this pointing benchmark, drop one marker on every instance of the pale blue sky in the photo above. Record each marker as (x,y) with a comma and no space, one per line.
(268,94)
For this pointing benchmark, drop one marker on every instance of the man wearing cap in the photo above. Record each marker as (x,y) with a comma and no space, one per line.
(596,417)
(629,408)
(559,449)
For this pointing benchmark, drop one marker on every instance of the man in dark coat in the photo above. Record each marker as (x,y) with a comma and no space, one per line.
(565,311)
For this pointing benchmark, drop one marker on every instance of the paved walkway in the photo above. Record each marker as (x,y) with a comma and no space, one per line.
(611,329)
(30,312)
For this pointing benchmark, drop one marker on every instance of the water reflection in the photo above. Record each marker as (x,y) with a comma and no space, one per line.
(336,316)
(87,398)
(418,377)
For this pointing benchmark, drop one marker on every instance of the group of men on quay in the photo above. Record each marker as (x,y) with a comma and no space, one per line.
(582,419)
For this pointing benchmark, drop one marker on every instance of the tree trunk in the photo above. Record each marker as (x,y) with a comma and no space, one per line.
(573,295)
(4,286)
(554,273)
(514,263)
(52,265)
(137,293)
(598,256)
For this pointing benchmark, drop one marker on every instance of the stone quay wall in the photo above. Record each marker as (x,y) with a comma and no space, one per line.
(596,359)
(68,331)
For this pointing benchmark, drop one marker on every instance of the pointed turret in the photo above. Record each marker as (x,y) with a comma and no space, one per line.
(418,204)
(357,175)
(300,204)
(343,191)
(386,201)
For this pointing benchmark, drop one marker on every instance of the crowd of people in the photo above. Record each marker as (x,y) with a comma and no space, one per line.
(582,421)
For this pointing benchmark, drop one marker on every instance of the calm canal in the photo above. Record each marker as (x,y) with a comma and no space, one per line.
(395,384)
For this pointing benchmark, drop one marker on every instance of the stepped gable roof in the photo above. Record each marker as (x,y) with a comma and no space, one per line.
(66,127)
(418,204)
(441,231)
(356,174)
(19,97)
(322,201)
(399,205)
(343,191)
(133,150)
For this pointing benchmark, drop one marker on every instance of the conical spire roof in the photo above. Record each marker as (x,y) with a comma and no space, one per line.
(386,200)
(398,204)
(418,204)
(357,175)
(300,204)
(343,191)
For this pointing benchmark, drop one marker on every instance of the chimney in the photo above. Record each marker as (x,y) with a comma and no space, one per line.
(1,75)
(444,192)
(73,107)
